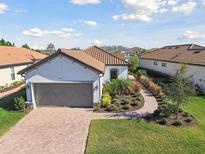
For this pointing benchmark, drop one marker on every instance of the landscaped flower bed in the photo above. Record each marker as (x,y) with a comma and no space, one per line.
(120,96)
(11,86)
(165,115)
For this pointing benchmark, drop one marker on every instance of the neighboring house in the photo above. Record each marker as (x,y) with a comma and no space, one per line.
(12,60)
(169,59)
(72,78)
(135,51)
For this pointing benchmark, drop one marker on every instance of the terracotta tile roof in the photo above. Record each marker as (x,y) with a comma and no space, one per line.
(104,56)
(16,56)
(120,55)
(85,59)
(186,54)
(77,55)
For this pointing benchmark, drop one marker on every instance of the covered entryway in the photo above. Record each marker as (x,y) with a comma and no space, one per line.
(64,94)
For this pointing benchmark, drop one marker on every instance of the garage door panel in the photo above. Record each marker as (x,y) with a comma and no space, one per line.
(71,95)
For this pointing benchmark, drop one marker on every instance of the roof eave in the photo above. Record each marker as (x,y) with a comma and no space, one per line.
(175,62)
(52,56)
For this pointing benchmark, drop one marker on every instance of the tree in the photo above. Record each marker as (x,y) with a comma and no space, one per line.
(115,52)
(50,48)
(25,46)
(180,89)
(134,61)
(6,43)
(76,48)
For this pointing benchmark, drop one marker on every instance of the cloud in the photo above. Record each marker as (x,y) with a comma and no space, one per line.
(3,8)
(90,22)
(133,17)
(172,2)
(192,35)
(203,1)
(144,10)
(84,2)
(186,8)
(97,42)
(63,32)
(141,10)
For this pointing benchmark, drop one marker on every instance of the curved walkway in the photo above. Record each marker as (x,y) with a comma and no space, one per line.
(150,105)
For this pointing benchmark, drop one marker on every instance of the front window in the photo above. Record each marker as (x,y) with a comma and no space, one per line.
(113,74)
(155,63)
(12,73)
(164,64)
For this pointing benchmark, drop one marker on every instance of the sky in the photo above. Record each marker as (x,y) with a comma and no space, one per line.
(82,23)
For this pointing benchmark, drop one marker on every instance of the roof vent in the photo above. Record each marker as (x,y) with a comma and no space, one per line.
(196,52)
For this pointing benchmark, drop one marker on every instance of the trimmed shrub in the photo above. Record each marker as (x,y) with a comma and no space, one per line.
(163,121)
(116,102)
(164,110)
(199,91)
(106,99)
(126,107)
(1,88)
(180,110)
(127,101)
(141,73)
(97,106)
(177,123)
(185,114)
(156,113)
(112,107)
(19,103)
(138,97)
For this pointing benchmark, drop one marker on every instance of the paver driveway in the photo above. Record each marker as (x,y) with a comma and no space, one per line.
(49,130)
(61,130)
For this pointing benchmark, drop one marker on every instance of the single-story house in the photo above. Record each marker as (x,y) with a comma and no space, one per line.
(135,51)
(12,60)
(72,78)
(168,60)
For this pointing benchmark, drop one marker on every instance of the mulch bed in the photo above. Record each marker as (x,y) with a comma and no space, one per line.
(123,104)
(185,118)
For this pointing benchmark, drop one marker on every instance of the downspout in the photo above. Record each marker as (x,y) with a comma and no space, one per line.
(100,86)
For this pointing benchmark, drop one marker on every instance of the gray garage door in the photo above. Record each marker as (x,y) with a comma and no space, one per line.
(70,95)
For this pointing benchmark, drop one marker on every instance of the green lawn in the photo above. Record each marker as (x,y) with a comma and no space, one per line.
(8,117)
(139,136)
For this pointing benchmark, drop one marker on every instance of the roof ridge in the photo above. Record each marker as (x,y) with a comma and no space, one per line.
(106,52)
(177,45)
(81,51)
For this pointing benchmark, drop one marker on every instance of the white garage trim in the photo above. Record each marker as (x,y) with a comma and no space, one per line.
(33,96)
